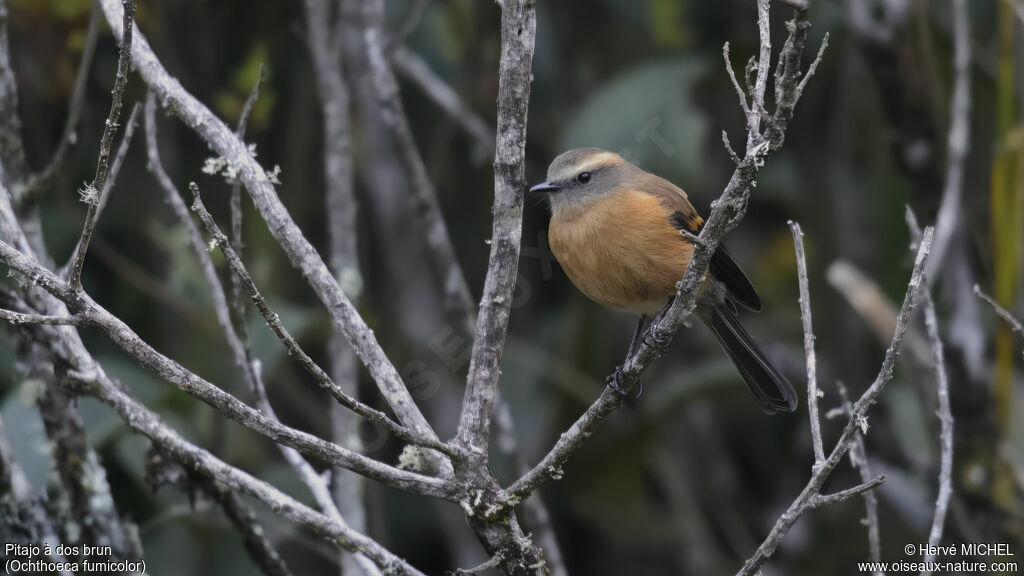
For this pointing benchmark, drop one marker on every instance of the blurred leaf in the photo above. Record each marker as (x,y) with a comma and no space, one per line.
(667,23)
(231,101)
(63,9)
(1007,213)
(649,117)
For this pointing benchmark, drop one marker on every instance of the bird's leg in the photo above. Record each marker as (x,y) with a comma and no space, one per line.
(615,380)
(651,338)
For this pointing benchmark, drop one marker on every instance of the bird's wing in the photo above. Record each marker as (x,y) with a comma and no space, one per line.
(683,216)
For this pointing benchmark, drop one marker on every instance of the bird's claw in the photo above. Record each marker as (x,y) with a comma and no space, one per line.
(616,382)
(651,338)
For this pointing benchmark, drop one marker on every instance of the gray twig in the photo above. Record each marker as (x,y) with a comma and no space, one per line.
(412,66)
(945,414)
(343,256)
(440,251)
(813,393)
(37,182)
(518,34)
(958,140)
(274,321)
(92,194)
(858,419)
(859,461)
(254,537)
(946,426)
(20,318)
(248,366)
(149,424)
(122,152)
(300,252)
(1001,312)
(226,404)
(844,495)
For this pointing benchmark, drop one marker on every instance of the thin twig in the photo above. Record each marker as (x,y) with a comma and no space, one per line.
(20,318)
(300,252)
(518,34)
(858,419)
(122,152)
(236,300)
(827,499)
(958,140)
(93,192)
(37,183)
(441,252)
(859,461)
(1003,313)
(274,322)
(945,415)
(226,404)
(254,536)
(239,347)
(148,423)
(412,66)
(813,393)
(736,85)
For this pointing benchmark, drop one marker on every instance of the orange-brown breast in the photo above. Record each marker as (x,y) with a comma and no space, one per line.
(620,250)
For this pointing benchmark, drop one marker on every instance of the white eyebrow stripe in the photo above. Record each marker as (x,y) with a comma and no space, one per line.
(596,161)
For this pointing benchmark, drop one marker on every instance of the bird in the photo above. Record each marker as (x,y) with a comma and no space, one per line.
(617,232)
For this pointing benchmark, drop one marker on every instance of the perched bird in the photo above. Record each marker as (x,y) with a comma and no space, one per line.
(615,230)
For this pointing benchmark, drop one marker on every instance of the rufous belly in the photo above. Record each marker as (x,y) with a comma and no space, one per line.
(620,250)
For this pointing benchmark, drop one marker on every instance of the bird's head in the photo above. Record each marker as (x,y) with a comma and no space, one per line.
(582,175)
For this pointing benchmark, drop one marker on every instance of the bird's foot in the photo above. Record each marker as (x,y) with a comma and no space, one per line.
(651,338)
(616,381)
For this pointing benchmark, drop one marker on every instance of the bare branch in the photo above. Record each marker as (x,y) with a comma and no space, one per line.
(412,66)
(958,140)
(945,414)
(248,366)
(122,152)
(19,318)
(857,421)
(342,210)
(37,183)
(223,402)
(859,461)
(812,68)
(148,423)
(1000,311)
(274,321)
(259,547)
(736,85)
(946,425)
(518,34)
(93,193)
(813,392)
(440,251)
(826,499)
(300,252)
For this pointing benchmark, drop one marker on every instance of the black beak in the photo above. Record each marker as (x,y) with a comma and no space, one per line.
(544,188)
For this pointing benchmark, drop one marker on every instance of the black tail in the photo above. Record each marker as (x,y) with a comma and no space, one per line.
(770,388)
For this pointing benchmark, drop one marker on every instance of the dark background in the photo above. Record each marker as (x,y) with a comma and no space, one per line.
(688,478)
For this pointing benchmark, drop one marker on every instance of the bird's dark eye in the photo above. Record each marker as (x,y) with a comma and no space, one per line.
(583,177)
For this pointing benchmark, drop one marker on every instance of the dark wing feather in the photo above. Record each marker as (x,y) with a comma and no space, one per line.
(728,272)
(684,217)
